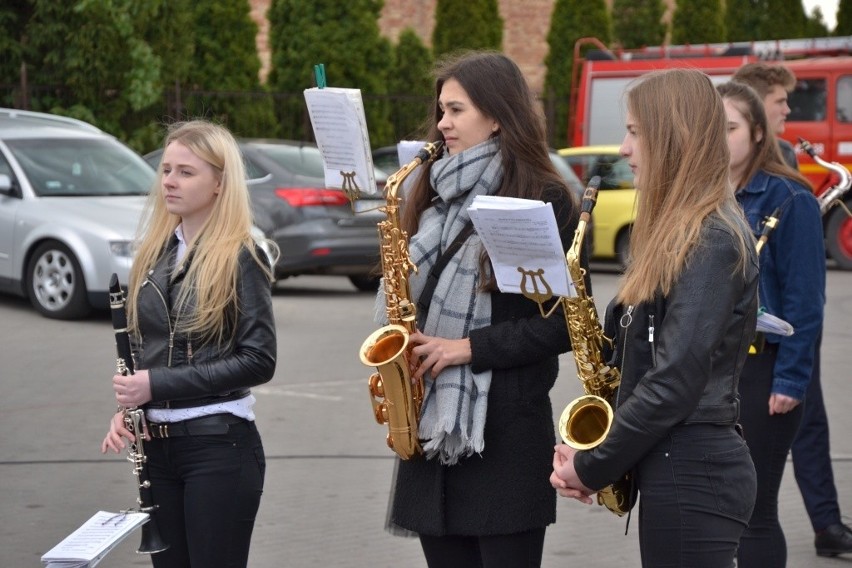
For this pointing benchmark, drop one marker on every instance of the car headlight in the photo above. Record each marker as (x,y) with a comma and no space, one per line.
(121,248)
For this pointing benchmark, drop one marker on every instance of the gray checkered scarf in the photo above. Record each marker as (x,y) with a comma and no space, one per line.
(452,419)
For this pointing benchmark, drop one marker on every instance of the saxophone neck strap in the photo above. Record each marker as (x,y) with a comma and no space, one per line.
(437,268)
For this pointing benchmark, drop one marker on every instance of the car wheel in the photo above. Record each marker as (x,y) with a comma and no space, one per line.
(55,282)
(365,282)
(838,236)
(622,247)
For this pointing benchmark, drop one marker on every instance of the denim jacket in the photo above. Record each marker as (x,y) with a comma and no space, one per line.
(792,273)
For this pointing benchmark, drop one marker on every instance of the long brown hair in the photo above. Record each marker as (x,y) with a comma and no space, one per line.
(682,139)
(497,88)
(766,154)
(211,277)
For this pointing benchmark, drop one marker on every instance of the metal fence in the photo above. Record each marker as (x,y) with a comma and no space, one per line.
(254,114)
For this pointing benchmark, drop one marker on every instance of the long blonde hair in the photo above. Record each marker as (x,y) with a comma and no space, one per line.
(210,283)
(682,137)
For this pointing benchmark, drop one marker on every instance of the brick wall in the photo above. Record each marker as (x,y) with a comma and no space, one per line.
(526,23)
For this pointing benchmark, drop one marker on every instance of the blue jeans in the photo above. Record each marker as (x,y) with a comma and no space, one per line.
(207,489)
(812,456)
(769,439)
(696,492)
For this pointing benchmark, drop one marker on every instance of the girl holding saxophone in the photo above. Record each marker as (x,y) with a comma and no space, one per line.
(202,328)
(480,496)
(681,323)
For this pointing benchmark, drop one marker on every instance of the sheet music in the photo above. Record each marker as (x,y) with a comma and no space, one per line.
(521,233)
(340,127)
(768,323)
(88,545)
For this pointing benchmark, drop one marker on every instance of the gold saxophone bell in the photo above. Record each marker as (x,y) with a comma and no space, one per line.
(585,422)
(395,398)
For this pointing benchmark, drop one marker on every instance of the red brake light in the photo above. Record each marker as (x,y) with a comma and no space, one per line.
(311,197)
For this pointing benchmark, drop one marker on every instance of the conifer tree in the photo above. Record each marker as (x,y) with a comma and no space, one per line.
(225,58)
(745,20)
(411,82)
(698,21)
(638,23)
(95,53)
(571,20)
(14,15)
(344,37)
(785,19)
(471,24)
(815,25)
(844,18)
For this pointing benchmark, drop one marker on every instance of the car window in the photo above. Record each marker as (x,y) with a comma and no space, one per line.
(808,101)
(301,160)
(567,174)
(81,166)
(614,170)
(844,98)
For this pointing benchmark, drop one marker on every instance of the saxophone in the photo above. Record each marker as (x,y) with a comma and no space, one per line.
(831,196)
(585,422)
(396,399)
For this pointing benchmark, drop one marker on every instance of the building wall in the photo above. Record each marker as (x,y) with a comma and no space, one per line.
(526,23)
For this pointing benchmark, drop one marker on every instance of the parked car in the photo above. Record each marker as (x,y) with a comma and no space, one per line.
(316,228)
(70,200)
(616,205)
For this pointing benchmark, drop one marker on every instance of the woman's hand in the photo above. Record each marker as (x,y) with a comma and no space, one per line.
(117,431)
(436,353)
(564,478)
(132,390)
(781,404)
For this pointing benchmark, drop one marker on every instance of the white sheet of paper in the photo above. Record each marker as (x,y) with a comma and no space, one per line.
(340,127)
(521,233)
(87,545)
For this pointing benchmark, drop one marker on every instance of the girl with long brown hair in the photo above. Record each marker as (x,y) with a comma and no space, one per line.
(681,324)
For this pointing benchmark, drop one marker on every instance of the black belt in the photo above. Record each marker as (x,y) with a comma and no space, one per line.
(205,425)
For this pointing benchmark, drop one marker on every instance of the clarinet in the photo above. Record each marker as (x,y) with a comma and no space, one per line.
(134,420)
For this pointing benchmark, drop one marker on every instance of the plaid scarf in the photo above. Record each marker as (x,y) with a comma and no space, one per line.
(452,419)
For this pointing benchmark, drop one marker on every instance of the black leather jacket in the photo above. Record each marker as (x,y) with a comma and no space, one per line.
(680,356)
(186,372)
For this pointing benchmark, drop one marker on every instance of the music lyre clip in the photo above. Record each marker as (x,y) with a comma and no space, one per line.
(536,295)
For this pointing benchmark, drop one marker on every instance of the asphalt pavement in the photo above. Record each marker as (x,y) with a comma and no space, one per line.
(328,470)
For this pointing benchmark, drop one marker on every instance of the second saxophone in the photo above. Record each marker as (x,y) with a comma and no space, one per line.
(395,397)
(585,422)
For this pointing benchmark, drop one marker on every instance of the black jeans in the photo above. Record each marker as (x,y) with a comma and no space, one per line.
(520,550)
(769,438)
(696,492)
(812,456)
(208,491)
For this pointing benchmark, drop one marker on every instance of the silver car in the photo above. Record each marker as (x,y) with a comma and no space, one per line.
(70,201)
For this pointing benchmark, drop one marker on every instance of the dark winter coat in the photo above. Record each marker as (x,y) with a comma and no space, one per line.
(505,489)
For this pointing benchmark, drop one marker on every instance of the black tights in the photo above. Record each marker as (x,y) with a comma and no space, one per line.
(520,550)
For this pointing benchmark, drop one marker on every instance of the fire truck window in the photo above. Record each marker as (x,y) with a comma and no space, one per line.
(844,99)
(808,101)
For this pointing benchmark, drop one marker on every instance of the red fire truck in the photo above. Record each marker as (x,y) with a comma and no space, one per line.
(821,104)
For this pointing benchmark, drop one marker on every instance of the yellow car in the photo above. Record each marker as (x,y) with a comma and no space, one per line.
(616,207)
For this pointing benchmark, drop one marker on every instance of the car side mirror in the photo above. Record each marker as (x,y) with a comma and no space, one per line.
(7,187)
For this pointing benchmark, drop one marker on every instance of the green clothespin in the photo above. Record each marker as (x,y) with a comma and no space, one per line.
(319,75)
